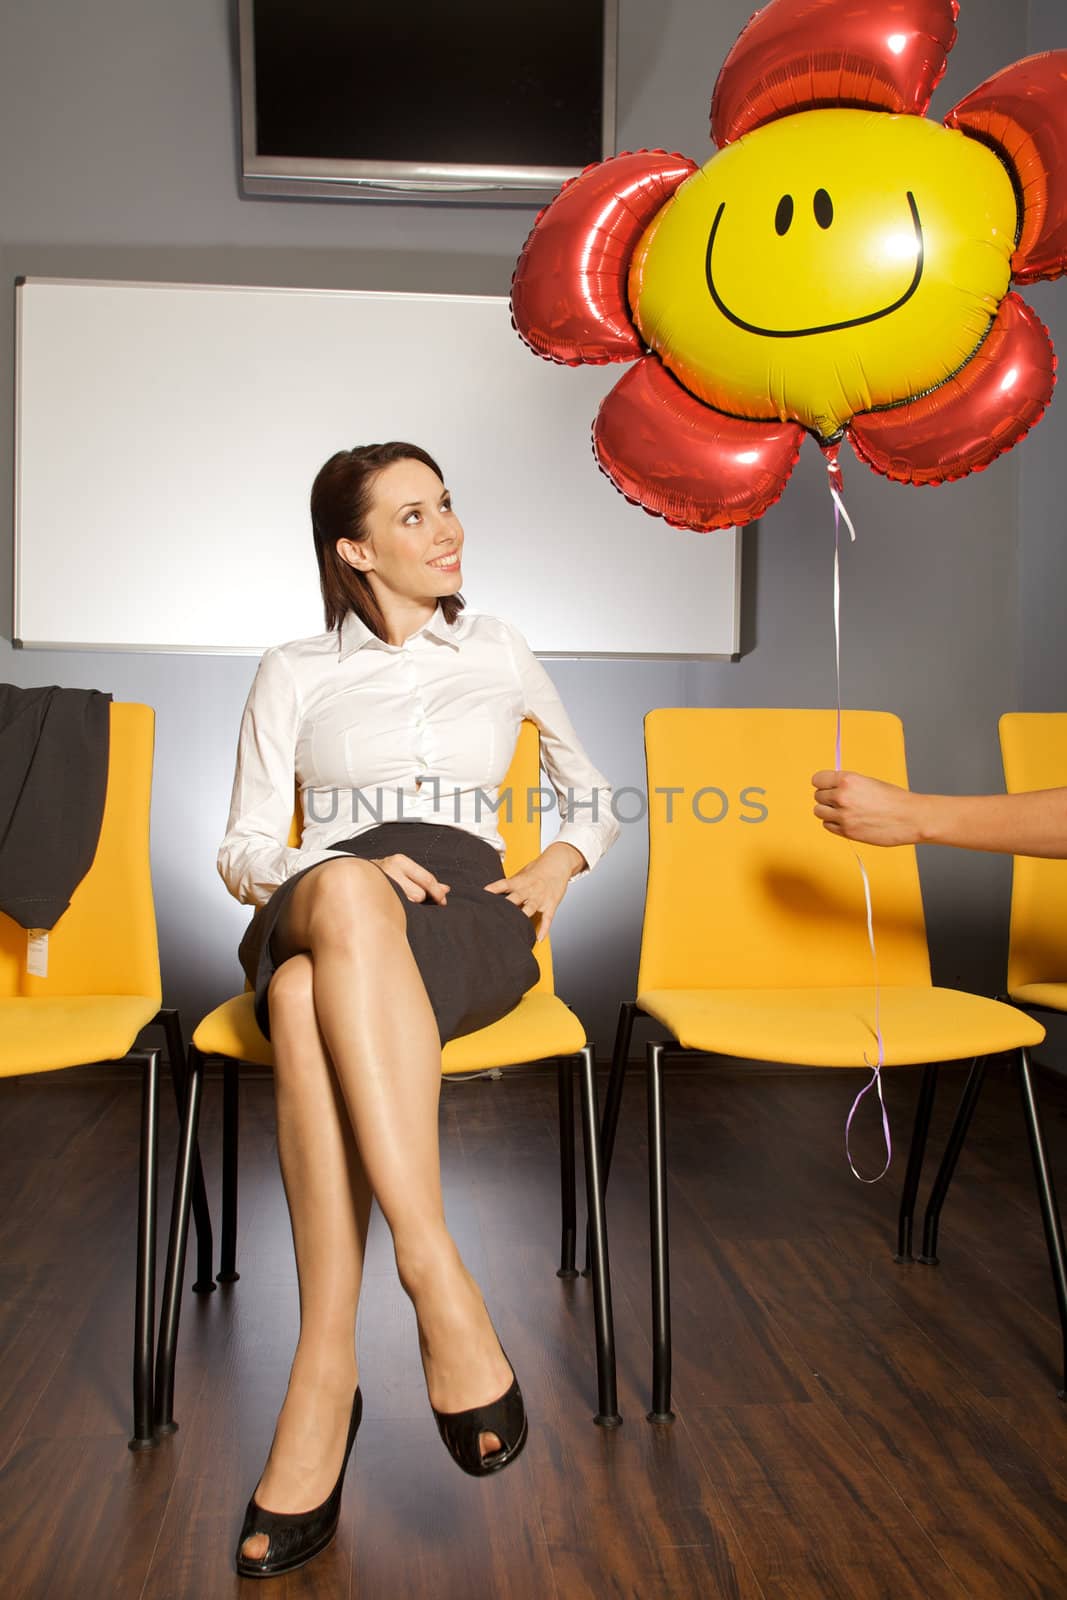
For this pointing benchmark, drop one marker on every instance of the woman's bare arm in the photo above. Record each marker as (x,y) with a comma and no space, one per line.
(873,812)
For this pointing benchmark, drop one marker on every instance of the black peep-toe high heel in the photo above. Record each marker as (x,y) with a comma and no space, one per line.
(462,1430)
(296,1536)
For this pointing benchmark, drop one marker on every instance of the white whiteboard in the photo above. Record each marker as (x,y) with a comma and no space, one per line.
(167,436)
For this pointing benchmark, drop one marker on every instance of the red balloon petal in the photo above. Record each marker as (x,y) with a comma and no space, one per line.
(794,55)
(568,294)
(684,461)
(969,420)
(1022,112)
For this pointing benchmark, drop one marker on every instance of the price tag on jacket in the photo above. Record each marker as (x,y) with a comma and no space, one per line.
(37,952)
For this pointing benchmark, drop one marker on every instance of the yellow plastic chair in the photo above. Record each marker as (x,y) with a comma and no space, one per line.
(1034,750)
(540,1028)
(102,987)
(754,942)
(1033,746)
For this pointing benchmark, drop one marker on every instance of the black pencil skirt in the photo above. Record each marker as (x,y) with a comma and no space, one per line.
(475,953)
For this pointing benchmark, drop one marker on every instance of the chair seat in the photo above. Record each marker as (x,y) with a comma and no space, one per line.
(835,1027)
(70,1030)
(1052,995)
(540,1025)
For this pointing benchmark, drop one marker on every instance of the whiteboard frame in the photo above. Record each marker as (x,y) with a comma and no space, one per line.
(115,647)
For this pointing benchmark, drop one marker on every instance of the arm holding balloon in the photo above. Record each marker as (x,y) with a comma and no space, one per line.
(873,812)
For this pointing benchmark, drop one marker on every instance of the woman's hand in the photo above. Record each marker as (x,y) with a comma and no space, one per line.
(539,887)
(867,809)
(418,883)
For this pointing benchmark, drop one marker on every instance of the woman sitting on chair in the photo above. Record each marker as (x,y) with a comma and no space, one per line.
(399,724)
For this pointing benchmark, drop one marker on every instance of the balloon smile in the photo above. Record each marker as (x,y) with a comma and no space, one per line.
(828,327)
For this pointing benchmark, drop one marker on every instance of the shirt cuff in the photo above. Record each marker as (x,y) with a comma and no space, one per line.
(583,838)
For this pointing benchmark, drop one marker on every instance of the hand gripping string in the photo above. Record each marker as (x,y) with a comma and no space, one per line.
(841,512)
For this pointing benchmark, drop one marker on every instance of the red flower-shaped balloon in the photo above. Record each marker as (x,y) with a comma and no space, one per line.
(841,265)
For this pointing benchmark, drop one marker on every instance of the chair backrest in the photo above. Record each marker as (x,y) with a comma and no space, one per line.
(746,889)
(105,942)
(519,829)
(1033,746)
(522,832)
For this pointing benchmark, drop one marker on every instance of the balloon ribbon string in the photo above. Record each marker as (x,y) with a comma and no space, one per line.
(875,1066)
(841,512)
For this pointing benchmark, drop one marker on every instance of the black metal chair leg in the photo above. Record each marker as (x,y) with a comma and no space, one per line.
(568,1198)
(620,1055)
(920,1129)
(176,1244)
(657,1193)
(1050,1214)
(230,1131)
(205,1244)
(962,1121)
(145,1306)
(607,1415)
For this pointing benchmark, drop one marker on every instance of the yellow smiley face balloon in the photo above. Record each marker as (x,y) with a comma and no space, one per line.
(830,263)
(841,267)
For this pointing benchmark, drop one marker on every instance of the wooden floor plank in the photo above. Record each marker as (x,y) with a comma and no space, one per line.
(983,1498)
(422,1527)
(725,1348)
(814,1515)
(85,1513)
(845,1427)
(632,1512)
(38,1323)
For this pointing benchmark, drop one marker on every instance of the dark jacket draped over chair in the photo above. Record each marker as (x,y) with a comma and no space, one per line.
(54,748)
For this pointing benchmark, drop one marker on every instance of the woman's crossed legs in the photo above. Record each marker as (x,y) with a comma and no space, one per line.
(357,1083)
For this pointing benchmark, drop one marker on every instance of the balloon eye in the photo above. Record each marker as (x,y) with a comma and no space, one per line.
(784,215)
(824,208)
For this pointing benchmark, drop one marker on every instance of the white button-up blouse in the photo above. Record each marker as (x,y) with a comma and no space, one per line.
(373,732)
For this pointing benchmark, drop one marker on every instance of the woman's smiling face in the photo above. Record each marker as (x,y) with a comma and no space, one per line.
(414,540)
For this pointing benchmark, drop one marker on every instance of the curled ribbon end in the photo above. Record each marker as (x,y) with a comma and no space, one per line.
(876,1082)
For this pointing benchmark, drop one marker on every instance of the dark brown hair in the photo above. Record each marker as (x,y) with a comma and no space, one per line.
(340,499)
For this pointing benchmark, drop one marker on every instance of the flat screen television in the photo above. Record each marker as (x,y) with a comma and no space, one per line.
(465,100)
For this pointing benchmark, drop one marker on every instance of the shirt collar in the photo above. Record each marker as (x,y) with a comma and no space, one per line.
(354,633)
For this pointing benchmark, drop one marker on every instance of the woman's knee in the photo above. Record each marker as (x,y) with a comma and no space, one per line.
(294,1024)
(347,895)
(290,991)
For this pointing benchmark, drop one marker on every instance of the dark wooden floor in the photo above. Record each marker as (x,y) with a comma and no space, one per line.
(845,1427)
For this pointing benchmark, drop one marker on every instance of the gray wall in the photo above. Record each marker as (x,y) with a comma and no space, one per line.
(1042,509)
(119,127)
(1042,653)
